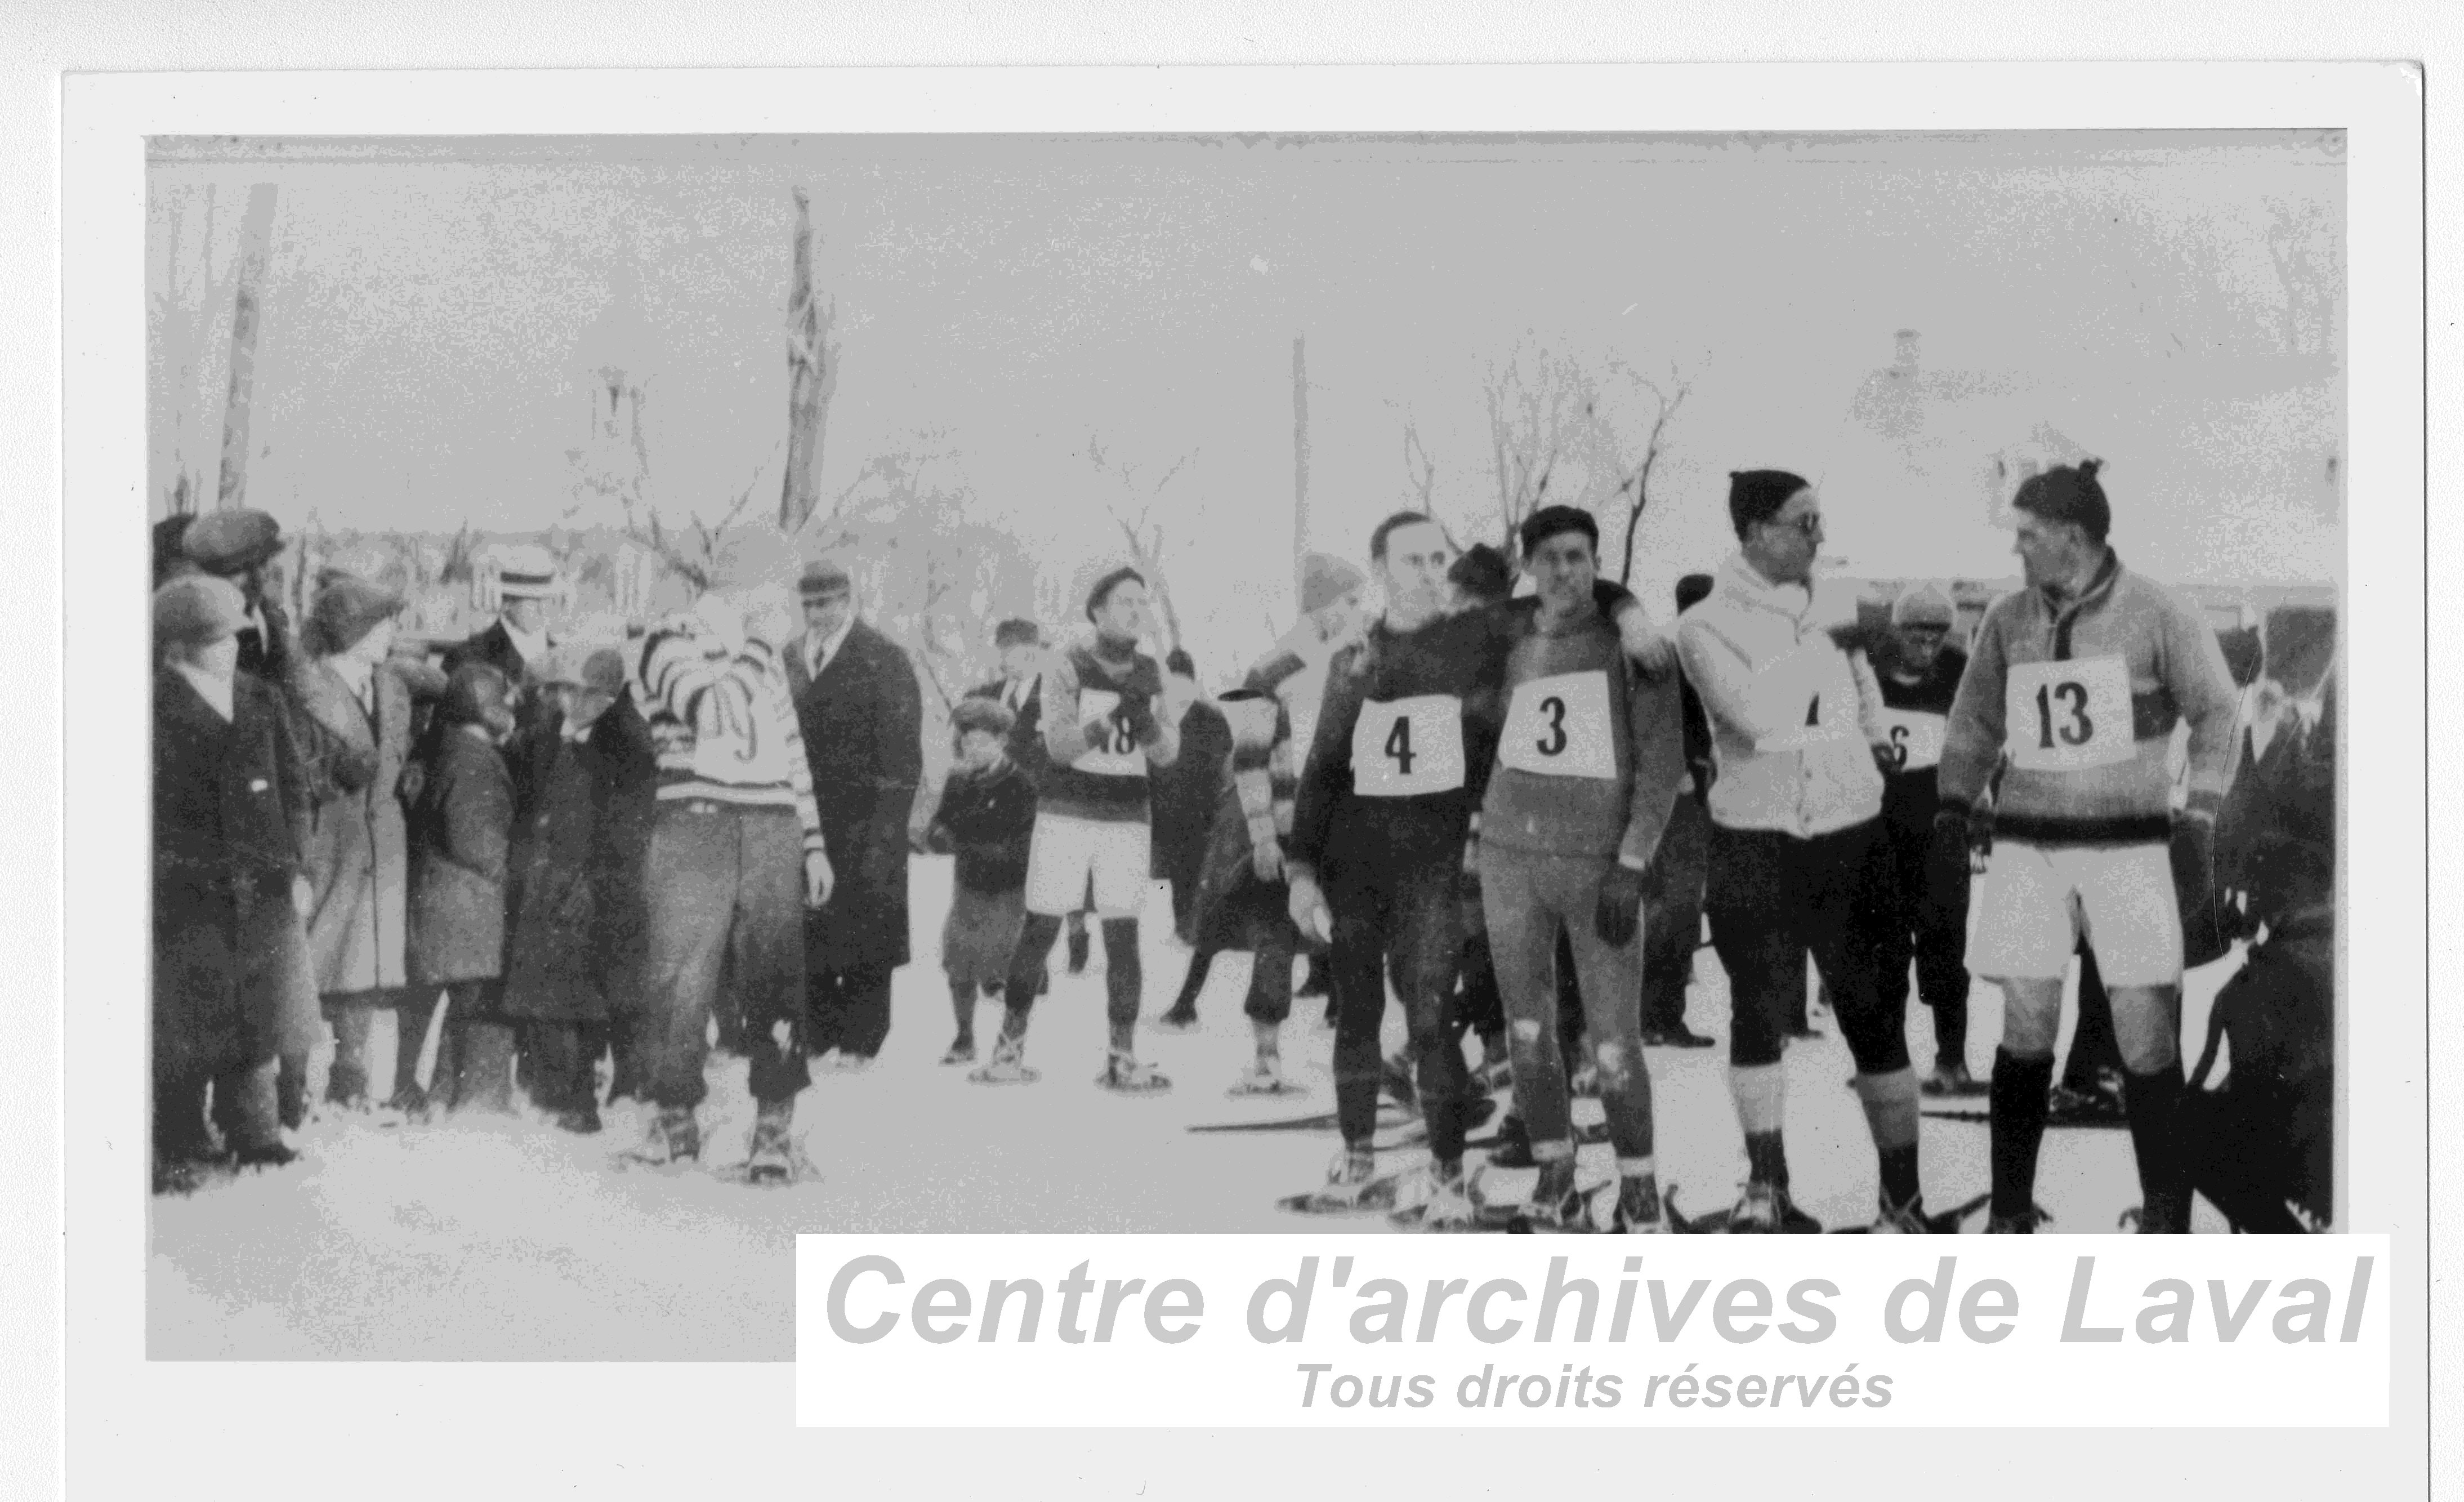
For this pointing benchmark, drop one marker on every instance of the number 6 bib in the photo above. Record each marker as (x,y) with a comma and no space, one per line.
(1558,726)
(1401,749)
(2067,716)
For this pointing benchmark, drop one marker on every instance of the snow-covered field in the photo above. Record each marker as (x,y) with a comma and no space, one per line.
(511,1241)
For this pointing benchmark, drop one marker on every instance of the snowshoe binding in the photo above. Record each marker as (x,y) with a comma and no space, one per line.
(1178,1019)
(1353,1186)
(772,1157)
(2022,1225)
(1265,1076)
(1008,1066)
(1953,1081)
(1445,1203)
(1760,1210)
(1124,1075)
(672,1136)
(961,1050)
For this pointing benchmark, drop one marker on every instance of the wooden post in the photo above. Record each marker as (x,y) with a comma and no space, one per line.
(1300,456)
(254,227)
(808,381)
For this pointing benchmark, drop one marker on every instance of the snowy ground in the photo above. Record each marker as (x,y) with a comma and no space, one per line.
(511,1241)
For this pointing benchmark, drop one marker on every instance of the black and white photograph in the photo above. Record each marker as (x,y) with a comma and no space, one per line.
(705,688)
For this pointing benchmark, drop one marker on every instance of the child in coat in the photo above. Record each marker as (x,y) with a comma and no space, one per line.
(986,818)
(460,829)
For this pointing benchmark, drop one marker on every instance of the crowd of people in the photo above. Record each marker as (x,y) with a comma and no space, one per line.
(1512,814)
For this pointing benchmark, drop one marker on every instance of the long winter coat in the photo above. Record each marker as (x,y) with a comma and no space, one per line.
(459,828)
(575,878)
(231,813)
(862,722)
(358,849)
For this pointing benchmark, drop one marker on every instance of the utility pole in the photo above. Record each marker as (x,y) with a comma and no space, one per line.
(254,227)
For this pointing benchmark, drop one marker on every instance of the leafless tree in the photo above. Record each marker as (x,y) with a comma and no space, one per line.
(1537,401)
(1420,469)
(1134,513)
(1616,462)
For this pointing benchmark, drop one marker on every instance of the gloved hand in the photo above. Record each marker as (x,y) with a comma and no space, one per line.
(1947,864)
(1308,910)
(1619,913)
(2204,937)
(819,879)
(1137,713)
(1853,636)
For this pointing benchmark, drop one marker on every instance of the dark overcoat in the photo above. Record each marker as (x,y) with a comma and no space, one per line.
(230,814)
(459,830)
(862,727)
(575,898)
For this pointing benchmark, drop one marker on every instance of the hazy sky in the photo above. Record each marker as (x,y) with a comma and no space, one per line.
(432,311)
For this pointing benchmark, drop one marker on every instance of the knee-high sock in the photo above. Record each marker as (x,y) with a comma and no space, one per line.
(1761,1093)
(2153,1102)
(1890,1101)
(1123,981)
(2017,1110)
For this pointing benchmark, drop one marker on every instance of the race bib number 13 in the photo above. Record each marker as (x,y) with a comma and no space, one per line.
(2067,716)
(1559,727)
(1401,749)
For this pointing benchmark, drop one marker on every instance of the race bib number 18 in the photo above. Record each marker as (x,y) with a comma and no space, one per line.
(2067,716)
(1401,749)
(1112,751)
(1558,726)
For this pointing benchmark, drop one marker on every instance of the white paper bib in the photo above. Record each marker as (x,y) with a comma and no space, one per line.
(1915,739)
(1401,749)
(2068,716)
(1558,726)
(1112,751)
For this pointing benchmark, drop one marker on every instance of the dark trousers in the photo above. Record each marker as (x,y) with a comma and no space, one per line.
(562,1075)
(1774,898)
(353,1015)
(727,891)
(474,1057)
(243,1108)
(847,1010)
(1672,919)
(1913,929)
(1396,901)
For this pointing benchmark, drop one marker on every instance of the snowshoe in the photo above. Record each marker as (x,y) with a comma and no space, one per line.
(1912,1220)
(407,1106)
(962,1051)
(1710,1224)
(771,1158)
(1646,1219)
(1008,1066)
(1447,1204)
(1765,1210)
(1263,1077)
(1124,1075)
(1353,1186)
(672,1136)
(581,1120)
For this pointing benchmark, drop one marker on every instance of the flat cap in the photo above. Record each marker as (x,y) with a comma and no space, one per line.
(231,541)
(196,609)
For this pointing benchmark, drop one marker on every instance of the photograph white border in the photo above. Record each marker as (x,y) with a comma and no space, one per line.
(380,1430)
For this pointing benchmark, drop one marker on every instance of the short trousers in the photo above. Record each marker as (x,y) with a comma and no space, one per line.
(979,935)
(2035,903)
(1069,853)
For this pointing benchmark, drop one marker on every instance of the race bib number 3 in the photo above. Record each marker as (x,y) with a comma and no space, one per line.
(1112,751)
(1401,749)
(1559,727)
(1915,739)
(2067,716)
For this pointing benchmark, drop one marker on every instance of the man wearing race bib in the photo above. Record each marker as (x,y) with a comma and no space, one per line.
(1796,859)
(1379,839)
(1103,730)
(1589,758)
(1920,671)
(2080,680)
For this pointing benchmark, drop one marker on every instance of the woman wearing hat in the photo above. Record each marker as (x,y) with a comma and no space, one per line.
(231,812)
(359,704)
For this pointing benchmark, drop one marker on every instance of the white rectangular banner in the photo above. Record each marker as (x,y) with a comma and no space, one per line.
(1363,1330)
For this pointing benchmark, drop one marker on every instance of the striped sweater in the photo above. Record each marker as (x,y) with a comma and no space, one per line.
(723,723)
(1266,769)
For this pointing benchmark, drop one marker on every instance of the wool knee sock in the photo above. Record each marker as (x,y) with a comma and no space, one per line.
(1890,1101)
(2017,1108)
(1761,1093)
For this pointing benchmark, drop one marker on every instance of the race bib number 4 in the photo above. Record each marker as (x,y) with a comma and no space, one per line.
(1112,751)
(1915,740)
(1558,726)
(1401,749)
(2067,716)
